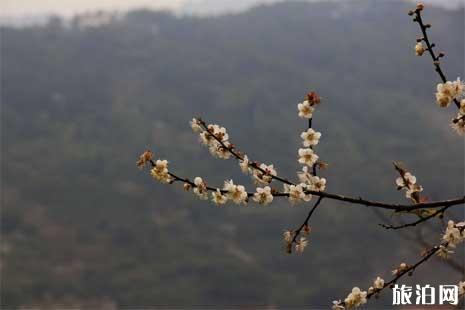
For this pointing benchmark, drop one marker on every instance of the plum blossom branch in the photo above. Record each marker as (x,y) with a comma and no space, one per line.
(454,234)
(207,133)
(447,91)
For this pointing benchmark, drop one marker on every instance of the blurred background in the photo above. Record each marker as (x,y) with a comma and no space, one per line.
(89,85)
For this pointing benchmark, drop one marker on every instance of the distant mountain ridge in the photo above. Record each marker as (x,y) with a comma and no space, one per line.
(23,15)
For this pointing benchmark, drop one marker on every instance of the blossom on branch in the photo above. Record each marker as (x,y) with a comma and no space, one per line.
(244,164)
(235,193)
(297,193)
(265,175)
(454,234)
(356,298)
(458,124)
(263,195)
(408,182)
(195,125)
(200,188)
(447,92)
(419,49)
(218,198)
(288,235)
(310,137)
(305,109)
(378,283)
(160,171)
(301,244)
(307,157)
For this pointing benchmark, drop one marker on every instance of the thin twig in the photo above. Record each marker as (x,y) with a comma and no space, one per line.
(421,220)
(430,46)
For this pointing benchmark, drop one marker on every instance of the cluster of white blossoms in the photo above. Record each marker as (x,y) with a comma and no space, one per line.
(234,192)
(378,284)
(263,195)
(358,297)
(400,269)
(300,244)
(212,137)
(265,174)
(297,193)
(160,171)
(454,234)
(458,123)
(311,182)
(408,182)
(447,92)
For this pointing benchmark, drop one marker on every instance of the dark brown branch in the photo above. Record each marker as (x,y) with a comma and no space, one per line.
(421,220)
(307,219)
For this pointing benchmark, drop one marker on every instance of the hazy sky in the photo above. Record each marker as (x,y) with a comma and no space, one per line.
(18,8)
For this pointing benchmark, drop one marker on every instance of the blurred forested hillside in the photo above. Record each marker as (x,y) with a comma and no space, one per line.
(81,225)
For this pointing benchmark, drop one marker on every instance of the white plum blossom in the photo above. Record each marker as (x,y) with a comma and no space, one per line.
(301,244)
(206,137)
(310,137)
(218,198)
(305,109)
(219,132)
(264,177)
(453,235)
(218,150)
(305,176)
(419,49)
(444,252)
(356,298)
(458,125)
(318,184)
(288,235)
(307,157)
(263,195)
(244,164)
(408,181)
(195,125)
(446,92)
(378,283)
(235,193)
(297,193)
(160,171)
(200,188)
(402,267)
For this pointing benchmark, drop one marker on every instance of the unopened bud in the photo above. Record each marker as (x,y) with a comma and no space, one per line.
(420,6)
